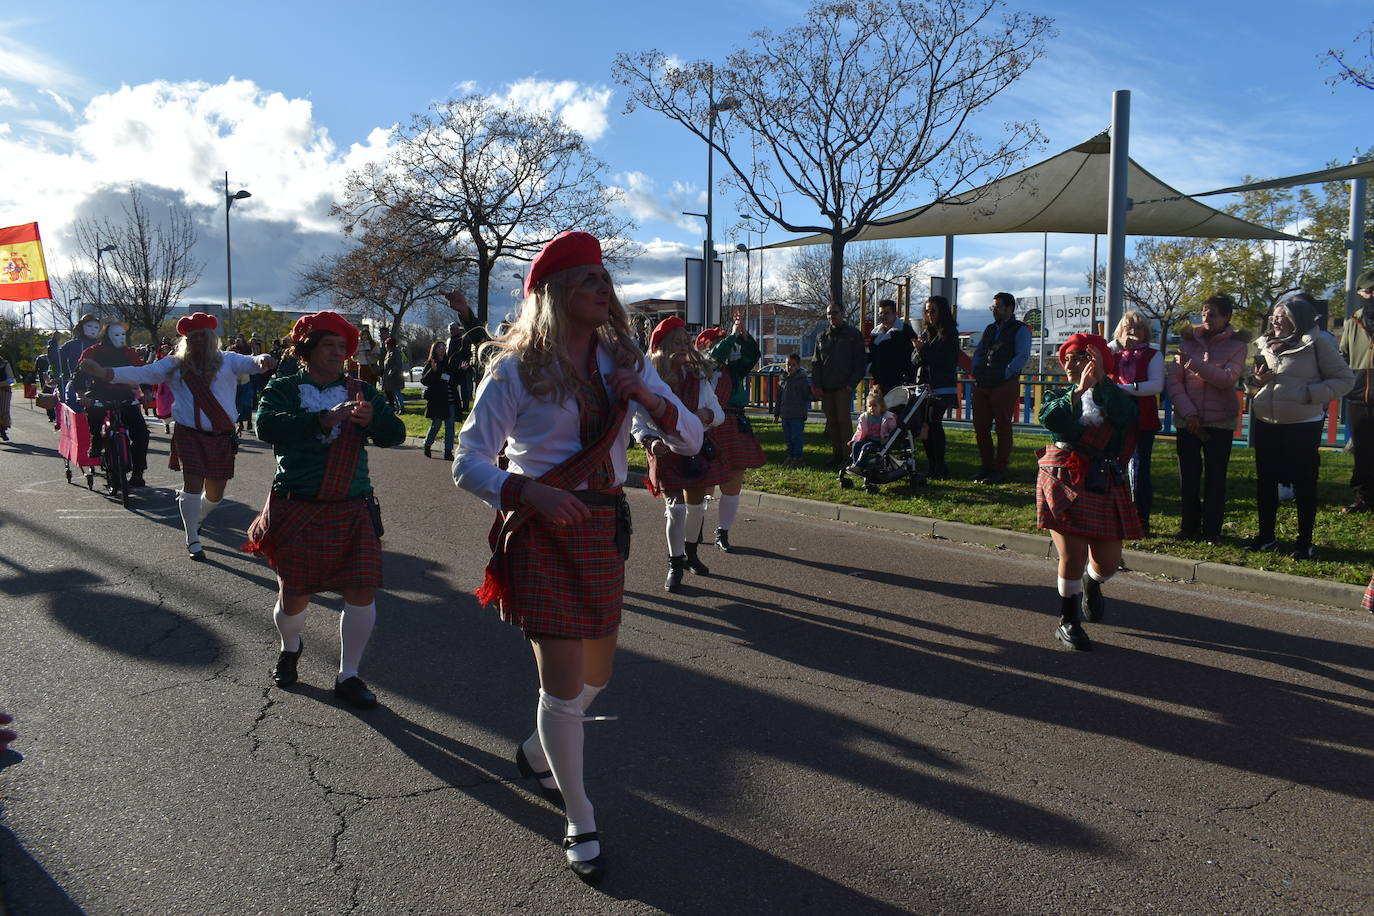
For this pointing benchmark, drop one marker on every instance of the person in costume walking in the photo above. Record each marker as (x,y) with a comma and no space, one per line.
(557,398)
(1082,495)
(735,355)
(683,480)
(321,526)
(112,352)
(7,379)
(203,381)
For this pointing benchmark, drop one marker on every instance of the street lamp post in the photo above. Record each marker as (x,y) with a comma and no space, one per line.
(729,103)
(99,256)
(229,255)
(750,219)
(748,270)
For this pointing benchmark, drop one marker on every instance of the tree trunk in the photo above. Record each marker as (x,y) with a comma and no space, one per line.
(484,269)
(837,270)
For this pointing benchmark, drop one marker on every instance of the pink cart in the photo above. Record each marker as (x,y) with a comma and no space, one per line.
(73,443)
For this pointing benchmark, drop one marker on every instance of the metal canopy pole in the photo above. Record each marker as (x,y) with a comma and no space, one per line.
(1117,204)
(1354,242)
(949,272)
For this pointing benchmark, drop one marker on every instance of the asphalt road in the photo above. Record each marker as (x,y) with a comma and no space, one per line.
(837,720)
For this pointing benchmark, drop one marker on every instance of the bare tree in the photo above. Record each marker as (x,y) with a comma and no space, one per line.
(1348,68)
(499,181)
(834,121)
(392,268)
(1161,280)
(806,276)
(150,268)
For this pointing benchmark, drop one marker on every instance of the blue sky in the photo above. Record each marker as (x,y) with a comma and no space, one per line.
(288,95)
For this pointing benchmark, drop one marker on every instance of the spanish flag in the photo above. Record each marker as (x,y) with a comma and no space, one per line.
(23,275)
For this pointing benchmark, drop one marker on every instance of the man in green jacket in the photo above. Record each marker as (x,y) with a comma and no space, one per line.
(1359,403)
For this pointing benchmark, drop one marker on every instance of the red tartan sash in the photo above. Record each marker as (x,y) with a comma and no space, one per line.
(691,399)
(205,401)
(268,533)
(564,476)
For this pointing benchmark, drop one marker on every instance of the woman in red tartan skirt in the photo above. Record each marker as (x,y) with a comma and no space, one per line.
(1081,492)
(202,379)
(683,481)
(320,528)
(557,400)
(736,354)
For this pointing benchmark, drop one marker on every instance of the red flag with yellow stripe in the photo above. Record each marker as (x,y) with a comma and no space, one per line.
(23,274)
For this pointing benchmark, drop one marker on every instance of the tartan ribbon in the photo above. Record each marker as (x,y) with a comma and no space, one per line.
(205,401)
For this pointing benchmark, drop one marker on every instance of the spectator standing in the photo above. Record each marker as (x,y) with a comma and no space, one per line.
(1298,371)
(6,395)
(441,398)
(465,338)
(1357,347)
(367,356)
(393,374)
(1202,388)
(837,368)
(792,407)
(935,357)
(889,348)
(1002,353)
(1139,373)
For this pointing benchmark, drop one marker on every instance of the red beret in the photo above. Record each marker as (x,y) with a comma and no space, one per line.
(663,329)
(1089,342)
(708,337)
(571,249)
(332,322)
(197,322)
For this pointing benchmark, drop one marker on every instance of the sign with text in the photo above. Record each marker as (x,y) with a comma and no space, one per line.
(697,311)
(1062,316)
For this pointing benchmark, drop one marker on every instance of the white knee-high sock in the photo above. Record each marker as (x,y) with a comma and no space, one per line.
(1099,577)
(290,627)
(355,628)
(534,749)
(1069,587)
(189,506)
(694,519)
(560,731)
(207,505)
(729,508)
(676,514)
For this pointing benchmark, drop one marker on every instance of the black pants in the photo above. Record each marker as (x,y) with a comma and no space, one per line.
(1286,452)
(138,433)
(1361,417)
(935,435)
(1202,463)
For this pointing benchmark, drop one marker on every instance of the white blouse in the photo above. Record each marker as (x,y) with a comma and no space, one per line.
(168,371)
(539,434)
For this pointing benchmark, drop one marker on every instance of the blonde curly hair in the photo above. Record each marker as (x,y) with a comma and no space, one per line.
(204,363)
(696,362)
(534,341)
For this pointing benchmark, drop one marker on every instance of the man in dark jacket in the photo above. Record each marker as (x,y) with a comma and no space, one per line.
(889,348)
(465,336)
(997,363)
(837,369)
(1357,346)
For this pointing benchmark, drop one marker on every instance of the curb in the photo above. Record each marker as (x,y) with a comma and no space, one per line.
(1256,581)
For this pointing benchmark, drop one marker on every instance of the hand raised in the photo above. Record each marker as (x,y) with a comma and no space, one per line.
(360,410)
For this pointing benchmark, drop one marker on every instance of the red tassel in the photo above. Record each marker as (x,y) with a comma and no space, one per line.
(493,589)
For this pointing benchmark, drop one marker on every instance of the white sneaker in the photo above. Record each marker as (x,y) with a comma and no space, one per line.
(1285,493)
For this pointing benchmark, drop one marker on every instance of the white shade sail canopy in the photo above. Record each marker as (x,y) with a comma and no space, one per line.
(1065,193)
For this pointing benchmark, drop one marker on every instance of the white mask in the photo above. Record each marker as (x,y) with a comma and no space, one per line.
(117,336)
(90,329)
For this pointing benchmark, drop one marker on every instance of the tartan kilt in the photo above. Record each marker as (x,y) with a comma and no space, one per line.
(1368,602)
(201,454)
(1061,506)
(666,474)
(738,450)
(568,581)
(334,549)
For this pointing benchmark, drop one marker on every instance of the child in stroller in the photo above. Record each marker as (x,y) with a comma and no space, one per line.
(884,445)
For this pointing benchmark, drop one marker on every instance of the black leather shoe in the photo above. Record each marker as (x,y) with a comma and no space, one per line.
(1262,543)
(1304,552)
(1093,603)
(355,693)
(195,551)
(723,540)
(285,672)
(136,482)
(1072,635)
(676,565)
(694,562)
(592,870)
(428,453)
(552,794)
(448,456)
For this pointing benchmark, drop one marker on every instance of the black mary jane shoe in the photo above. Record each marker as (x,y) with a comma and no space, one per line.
(552,794)
(1094,605)
(355,693)
(195,552)
(694,561)
(723,540)
(592,870)
(285,673)
(1071,634)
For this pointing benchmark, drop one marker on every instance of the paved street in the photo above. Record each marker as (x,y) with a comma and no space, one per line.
(837,720)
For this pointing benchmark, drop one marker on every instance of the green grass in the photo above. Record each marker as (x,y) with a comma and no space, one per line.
(1342,540)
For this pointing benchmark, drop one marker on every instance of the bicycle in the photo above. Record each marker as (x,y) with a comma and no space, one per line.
(117,453)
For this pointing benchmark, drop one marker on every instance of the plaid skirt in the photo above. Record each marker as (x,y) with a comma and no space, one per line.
(567,581)
(1071,509)
(206,455)
(1368,602)
(667,473)
(739,450)
(334,547)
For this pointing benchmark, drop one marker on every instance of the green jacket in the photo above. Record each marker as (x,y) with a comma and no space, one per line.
(1355,347)
(1059,414)
(297,441)
(740,355)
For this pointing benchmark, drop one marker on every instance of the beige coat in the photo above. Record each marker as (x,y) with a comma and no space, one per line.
(1306,377)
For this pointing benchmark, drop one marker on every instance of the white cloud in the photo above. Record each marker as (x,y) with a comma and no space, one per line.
(59,101)
(581,108)
(8,99)
(636,193)
(21,63)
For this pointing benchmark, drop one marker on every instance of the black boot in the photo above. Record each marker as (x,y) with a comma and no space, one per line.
(723,539)
(1070,632)
(694,561)
(675,567)
(1093,603)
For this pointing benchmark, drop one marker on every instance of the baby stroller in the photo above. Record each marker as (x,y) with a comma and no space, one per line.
(894,459)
